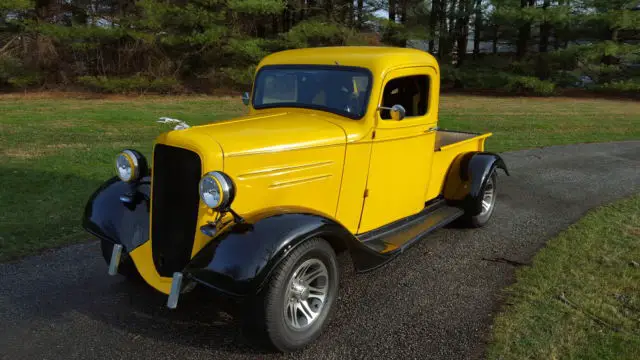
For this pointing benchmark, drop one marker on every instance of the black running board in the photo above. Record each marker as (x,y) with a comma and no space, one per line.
(393,239)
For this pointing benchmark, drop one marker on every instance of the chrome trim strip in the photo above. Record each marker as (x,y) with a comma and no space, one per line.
(298,181)
(283,170)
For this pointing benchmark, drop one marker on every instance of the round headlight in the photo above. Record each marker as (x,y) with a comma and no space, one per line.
(216,190)
(130,165)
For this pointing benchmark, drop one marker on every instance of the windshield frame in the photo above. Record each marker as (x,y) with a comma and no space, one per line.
(356,69)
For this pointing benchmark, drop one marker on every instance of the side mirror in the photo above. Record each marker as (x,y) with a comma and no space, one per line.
(397,112)
(246,98)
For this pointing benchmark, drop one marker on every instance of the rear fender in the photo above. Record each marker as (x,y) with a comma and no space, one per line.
(468,174)
(110,218)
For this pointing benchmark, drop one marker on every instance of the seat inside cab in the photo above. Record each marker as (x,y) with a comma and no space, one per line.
(406,91)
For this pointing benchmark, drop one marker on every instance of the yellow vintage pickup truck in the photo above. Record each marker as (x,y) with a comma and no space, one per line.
(339,151)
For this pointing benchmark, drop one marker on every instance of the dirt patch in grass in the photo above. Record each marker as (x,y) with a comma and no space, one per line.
(63,95)
(634,231)
(23,154)
(68,146)
(71,95)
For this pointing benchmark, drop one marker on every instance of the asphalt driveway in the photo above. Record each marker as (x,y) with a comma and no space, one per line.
(435,301)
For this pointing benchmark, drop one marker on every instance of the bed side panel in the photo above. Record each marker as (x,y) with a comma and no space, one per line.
(443,158)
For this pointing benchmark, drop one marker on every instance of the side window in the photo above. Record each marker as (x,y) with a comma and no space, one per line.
(412,92)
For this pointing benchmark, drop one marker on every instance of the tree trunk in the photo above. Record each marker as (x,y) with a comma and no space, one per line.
(349,21)
(444,32)
(610,59)
(557,44)
(545,30)
(524,33)
(433,21)
(311,8)
(392,10)
(44,9)
(462,31)
(403,11)
(275,26)
(360,12)
(477,28)
(285,19)
(302,5)
(261,30)
(344,12)
(328,8)
(449,33)
(452,18)
(496,33)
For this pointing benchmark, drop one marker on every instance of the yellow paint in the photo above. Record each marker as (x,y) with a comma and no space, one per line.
(292,157)
(399,169)
(308,177)
(142,258)
(354,181)
(442,162)
(284,130)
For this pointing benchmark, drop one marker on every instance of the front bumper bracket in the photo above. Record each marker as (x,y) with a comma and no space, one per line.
(116,254)
(176,287)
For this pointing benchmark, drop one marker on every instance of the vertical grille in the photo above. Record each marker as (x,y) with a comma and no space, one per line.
(174,207)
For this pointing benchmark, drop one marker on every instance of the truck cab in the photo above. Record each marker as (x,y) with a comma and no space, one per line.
(340,151)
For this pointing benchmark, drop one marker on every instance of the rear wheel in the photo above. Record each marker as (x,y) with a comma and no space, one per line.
(127,268)
(487,202)
(299,298)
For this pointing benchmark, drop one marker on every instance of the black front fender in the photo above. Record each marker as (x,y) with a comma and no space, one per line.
(121,222)
(239,260)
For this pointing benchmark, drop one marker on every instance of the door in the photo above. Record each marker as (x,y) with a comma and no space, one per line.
(402,150)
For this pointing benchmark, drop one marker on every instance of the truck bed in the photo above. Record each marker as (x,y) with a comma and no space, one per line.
(445,138)
(448,145)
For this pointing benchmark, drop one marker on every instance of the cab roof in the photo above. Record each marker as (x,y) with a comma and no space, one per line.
(377,59)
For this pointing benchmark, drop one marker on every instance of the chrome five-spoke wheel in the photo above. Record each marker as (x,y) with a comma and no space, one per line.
(484,203)
(299,299)
(306,294)
(488,198)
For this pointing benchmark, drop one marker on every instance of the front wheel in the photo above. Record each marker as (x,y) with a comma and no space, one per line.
(300,296)
(487,202)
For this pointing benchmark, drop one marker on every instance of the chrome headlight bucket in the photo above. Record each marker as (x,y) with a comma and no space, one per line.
(217,190)
(130,165)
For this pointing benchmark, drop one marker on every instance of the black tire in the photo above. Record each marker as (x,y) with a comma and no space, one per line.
(481,219)
(127,268)
(271,321)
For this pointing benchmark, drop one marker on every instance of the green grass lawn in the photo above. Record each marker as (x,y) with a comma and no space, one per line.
(57,150)
(581,297)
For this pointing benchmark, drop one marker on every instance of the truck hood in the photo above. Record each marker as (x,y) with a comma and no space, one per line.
(273,132)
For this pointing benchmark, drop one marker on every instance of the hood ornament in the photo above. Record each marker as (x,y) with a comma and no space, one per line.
(180,125)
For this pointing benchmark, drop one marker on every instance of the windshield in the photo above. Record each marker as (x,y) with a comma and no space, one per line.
(338,89)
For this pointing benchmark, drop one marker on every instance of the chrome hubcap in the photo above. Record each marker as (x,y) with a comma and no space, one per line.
(488,198)
(306,294)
